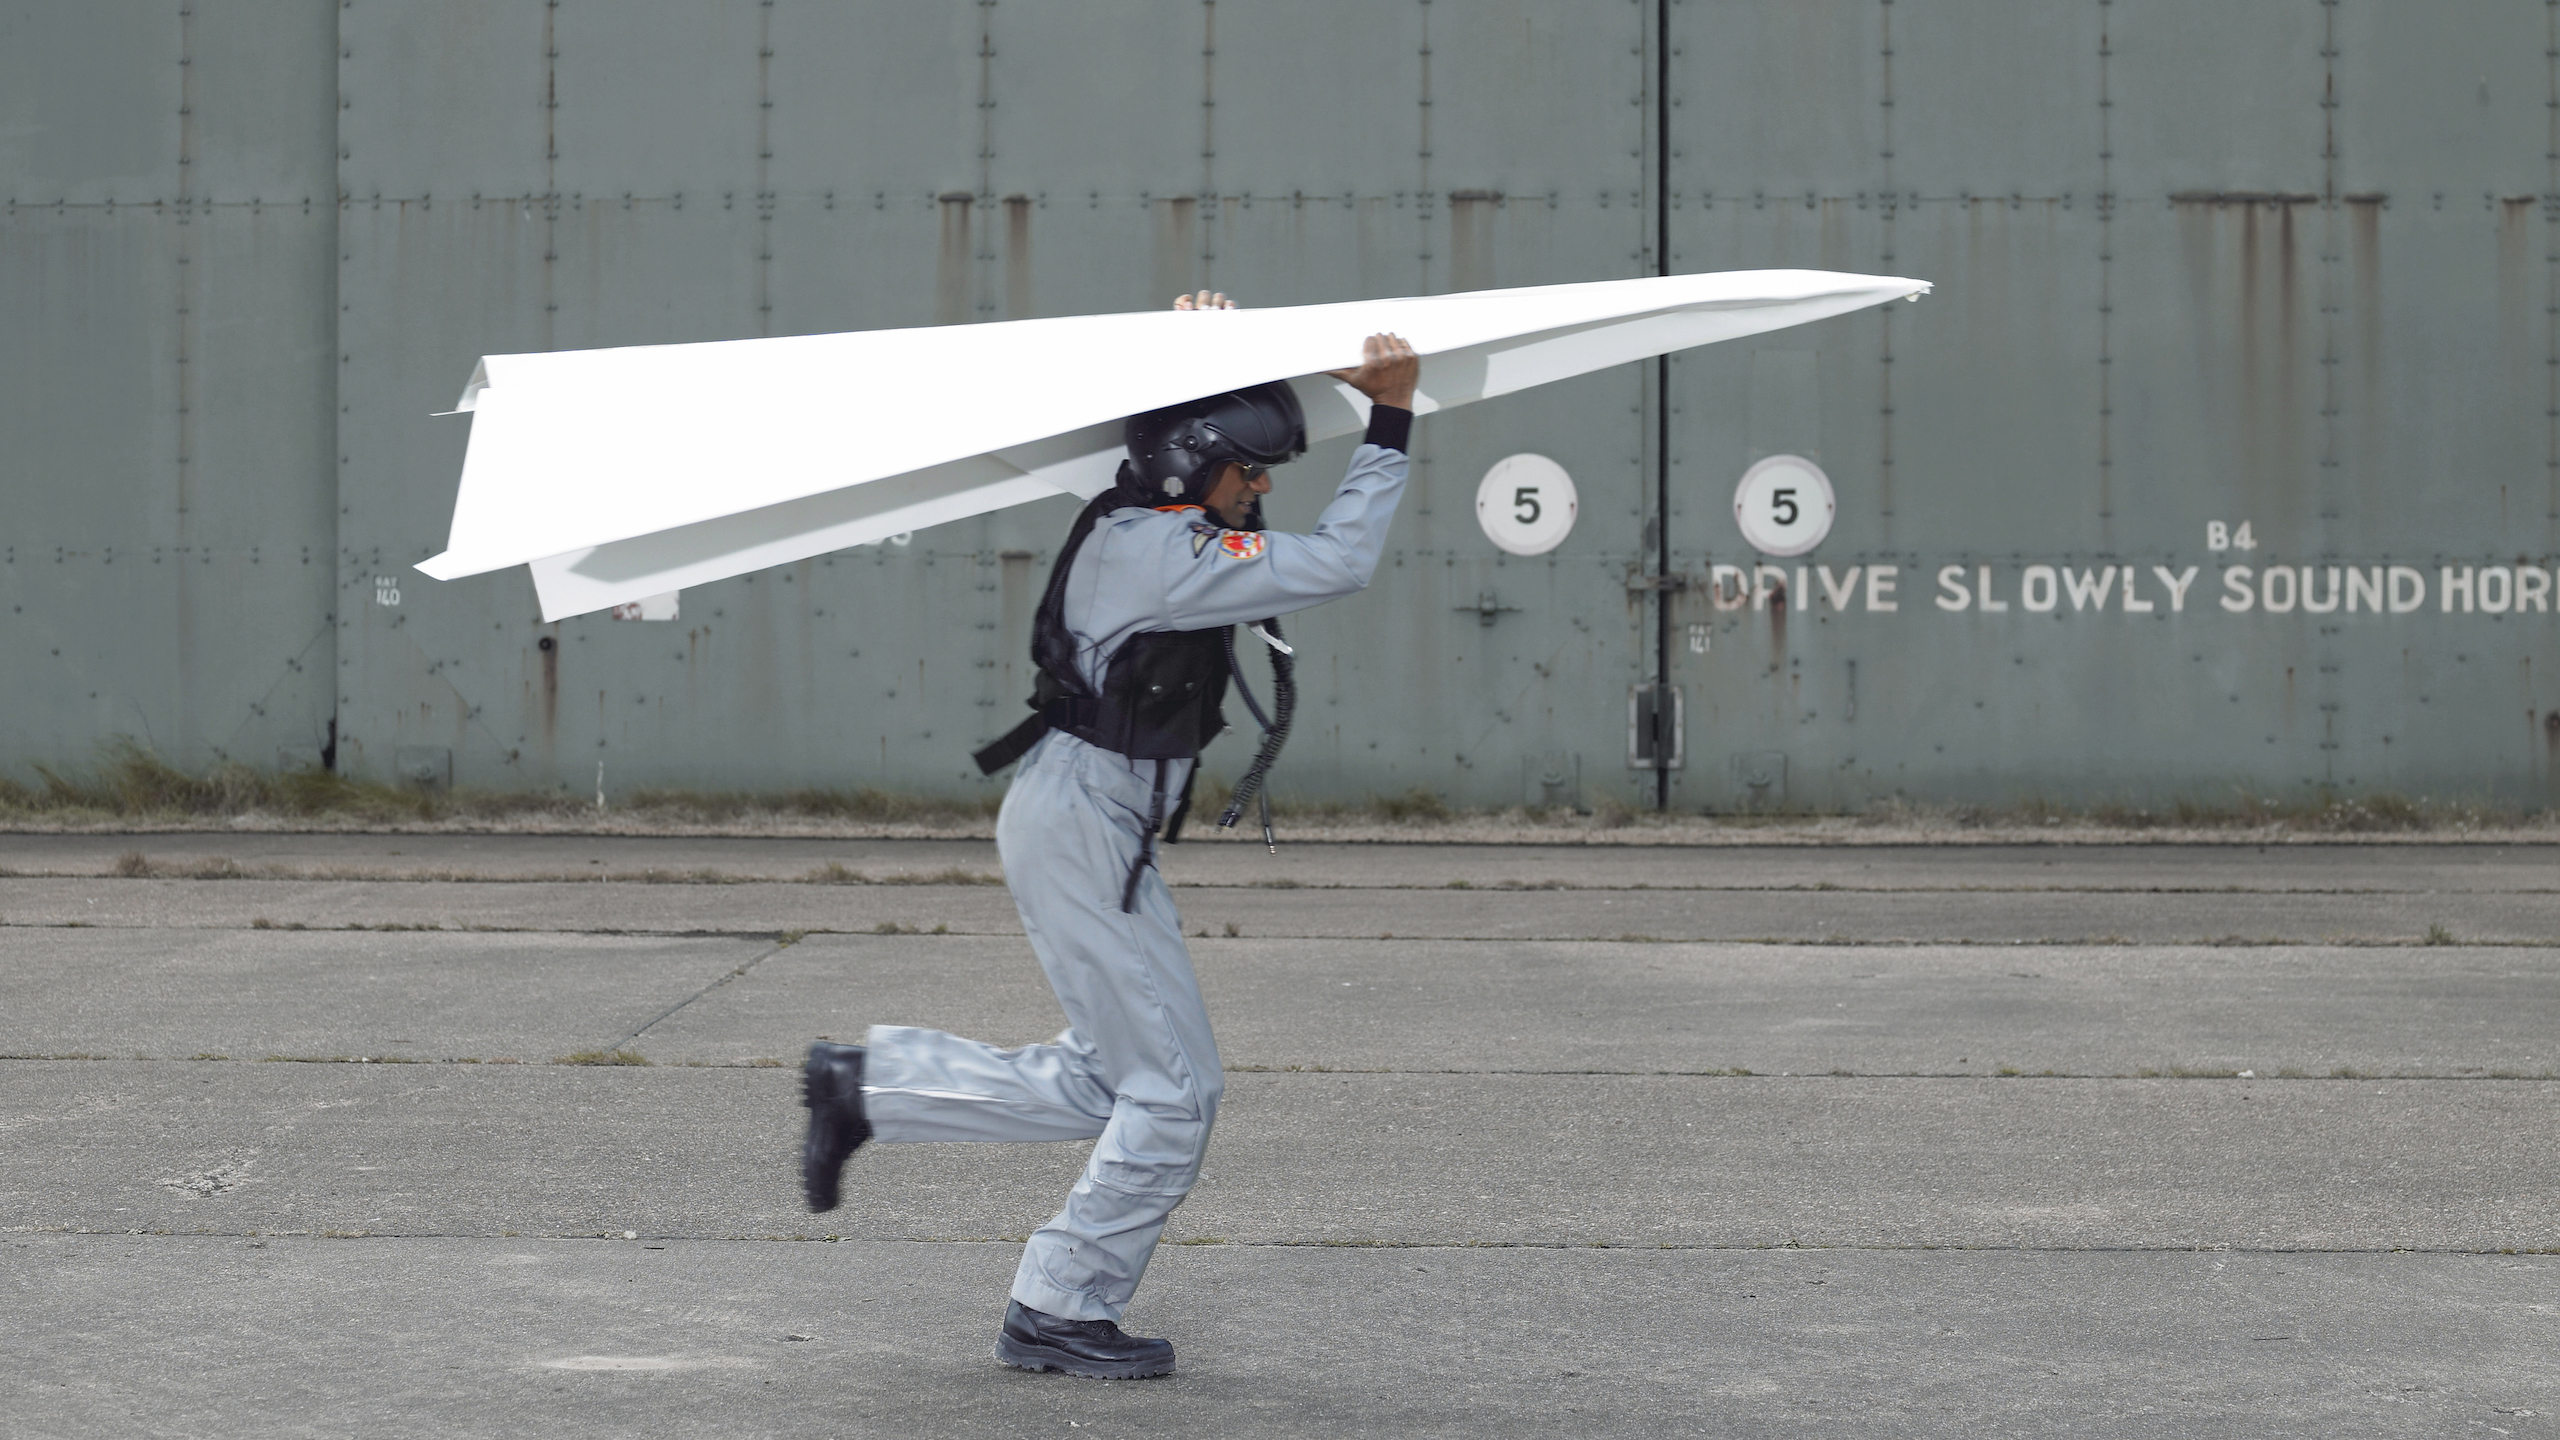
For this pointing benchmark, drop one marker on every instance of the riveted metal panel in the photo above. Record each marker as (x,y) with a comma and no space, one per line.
(2204,96)
(2269,310)
(450,99)
(88,299)
(2441,383)
(261,99)
(89,101)
(1777,99)
(972,180)
(2199,266)
(1366,60)
(2427,108)
(165,380)
(875,99)
(655,109)
(1957,63)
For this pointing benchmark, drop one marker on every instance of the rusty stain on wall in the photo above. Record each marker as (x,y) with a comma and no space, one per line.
(955,262)
(1471,239)
(1017,257)
(1175,243)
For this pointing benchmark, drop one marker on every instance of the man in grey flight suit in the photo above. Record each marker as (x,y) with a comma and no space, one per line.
(1136,1069)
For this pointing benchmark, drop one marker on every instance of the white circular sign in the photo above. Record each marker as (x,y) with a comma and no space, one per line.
(1526,504)
(1784,505)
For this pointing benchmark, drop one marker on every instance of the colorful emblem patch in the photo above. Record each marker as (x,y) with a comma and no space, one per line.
(1235,544)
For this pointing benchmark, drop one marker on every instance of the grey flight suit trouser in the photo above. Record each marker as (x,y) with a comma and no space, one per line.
(1135,1067)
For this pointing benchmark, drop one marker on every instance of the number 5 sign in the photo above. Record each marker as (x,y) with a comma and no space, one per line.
(1784,505)
(1526,504)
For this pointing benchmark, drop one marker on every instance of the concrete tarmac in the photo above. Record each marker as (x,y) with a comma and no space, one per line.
(1993,917)
(1783,1139)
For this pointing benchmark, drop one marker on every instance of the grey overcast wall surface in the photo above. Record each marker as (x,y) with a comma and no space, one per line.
(2244,314)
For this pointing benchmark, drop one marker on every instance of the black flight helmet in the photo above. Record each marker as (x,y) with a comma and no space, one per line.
(1175,453)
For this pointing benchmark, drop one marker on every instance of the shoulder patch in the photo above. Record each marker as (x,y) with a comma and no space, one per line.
(1234,544)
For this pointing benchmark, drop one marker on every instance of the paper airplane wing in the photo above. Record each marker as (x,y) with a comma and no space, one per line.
(617,474)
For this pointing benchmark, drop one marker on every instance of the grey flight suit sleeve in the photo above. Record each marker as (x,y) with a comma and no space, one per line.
(1205,583)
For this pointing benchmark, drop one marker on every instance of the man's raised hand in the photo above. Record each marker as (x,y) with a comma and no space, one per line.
(1387,371)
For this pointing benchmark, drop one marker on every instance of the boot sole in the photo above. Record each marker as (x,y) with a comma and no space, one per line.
(815,1170)
(1044,1357)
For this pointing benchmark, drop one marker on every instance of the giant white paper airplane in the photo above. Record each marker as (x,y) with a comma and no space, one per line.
(618,474)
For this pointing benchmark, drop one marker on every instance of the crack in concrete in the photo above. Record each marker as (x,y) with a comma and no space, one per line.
(778,946)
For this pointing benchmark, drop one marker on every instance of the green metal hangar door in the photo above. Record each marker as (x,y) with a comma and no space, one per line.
(610,175)
(2223,456)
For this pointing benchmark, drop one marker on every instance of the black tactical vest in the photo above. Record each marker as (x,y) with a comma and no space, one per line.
(1160,694)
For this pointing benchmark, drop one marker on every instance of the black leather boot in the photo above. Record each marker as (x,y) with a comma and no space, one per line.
(831,1086)
(1095,1349)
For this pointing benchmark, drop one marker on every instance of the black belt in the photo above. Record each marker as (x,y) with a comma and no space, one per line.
(1068,712)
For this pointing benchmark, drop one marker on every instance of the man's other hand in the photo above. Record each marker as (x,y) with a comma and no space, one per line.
(1205,300)
(1387,371)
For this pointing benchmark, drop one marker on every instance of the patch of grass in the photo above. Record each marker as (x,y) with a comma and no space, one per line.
(764,1062)
(892,927)
(1419,803)
(862,803)
(2437,935)
(129,784)
(953,876)
(1232,931)
(2009,1070)
(134,865)
(601,1057)
(834,872)
(207,1055)
(128,781)
(2324,811)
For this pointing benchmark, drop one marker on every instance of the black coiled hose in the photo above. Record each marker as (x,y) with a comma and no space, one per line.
(1275,731)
